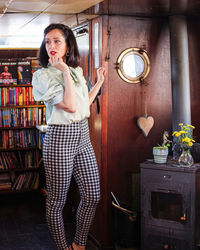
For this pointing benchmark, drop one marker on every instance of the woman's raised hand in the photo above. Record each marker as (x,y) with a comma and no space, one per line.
(58,63)
(101,72)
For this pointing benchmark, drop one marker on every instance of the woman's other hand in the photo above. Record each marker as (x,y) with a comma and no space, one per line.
(101,72)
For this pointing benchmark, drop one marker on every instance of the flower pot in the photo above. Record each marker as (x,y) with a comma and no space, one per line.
(160,154)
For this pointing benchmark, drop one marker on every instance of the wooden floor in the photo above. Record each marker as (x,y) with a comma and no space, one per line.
(23,225)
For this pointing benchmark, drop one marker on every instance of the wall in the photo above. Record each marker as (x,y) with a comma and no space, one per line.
(194,56)
(127,146)
(124,146)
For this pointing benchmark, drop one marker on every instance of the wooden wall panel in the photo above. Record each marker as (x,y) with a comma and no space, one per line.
(194,56)
(127,146)
(123,144)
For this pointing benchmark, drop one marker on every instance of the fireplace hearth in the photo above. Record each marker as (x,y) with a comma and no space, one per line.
(170,206)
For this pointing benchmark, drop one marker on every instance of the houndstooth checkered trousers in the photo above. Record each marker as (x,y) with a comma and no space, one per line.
(67,151)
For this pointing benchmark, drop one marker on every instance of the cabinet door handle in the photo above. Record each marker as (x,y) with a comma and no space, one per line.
(184,217)
(166,246)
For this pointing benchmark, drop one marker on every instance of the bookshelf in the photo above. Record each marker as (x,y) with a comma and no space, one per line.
(20,140)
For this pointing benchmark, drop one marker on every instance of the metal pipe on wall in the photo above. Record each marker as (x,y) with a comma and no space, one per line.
(181,107)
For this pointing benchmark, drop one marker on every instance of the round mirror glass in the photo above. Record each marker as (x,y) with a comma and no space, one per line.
(133,65)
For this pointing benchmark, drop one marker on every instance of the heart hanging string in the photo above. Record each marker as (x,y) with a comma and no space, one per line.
(145,123)
(144,98)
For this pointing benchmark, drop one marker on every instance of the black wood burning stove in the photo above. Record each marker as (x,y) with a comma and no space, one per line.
(170,206)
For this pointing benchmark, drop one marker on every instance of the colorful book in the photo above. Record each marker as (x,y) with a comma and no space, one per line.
(2,97)
(5,118)
(24,71)
(8,71)
(27,96)
(20,96)
(24,95)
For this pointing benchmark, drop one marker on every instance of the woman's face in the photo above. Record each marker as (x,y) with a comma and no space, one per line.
(55,44)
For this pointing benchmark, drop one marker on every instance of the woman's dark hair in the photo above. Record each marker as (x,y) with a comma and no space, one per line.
(73,59)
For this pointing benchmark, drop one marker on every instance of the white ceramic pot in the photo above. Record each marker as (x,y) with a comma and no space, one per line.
(160,155)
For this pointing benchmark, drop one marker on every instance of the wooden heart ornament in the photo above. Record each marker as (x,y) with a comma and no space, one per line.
(145,123)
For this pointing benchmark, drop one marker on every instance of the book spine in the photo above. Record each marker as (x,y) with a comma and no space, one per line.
(21,165)
(17,96)
(8,96)
(4,161)
(32,97)
(2,97)
(10,138)
(14,95)
(11,163)
(31,118)
(1,164)
(5,96)
(14,117)
(5,118)
(27,96)
(24,117)
(40,116)
(24,95)
(14,160)
(44,115)
(20,94)
(7,161)
(1,123)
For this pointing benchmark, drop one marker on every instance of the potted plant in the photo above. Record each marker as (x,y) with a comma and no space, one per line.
(161,152)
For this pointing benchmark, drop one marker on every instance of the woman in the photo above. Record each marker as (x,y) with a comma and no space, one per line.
(67,148)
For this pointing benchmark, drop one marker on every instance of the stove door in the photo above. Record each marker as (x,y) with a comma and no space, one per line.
(166,199)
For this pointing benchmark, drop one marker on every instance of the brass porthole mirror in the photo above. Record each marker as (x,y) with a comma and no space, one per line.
(133,65)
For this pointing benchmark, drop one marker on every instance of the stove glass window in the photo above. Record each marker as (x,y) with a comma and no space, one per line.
(166,206)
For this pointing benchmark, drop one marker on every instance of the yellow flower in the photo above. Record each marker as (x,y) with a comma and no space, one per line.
(183,132)
(186,139)
(185,135)
(174,133)
(190,126)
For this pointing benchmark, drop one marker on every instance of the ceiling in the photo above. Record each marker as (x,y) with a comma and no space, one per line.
(22,21)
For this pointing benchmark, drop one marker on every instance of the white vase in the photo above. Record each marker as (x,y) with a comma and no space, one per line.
(160,155)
